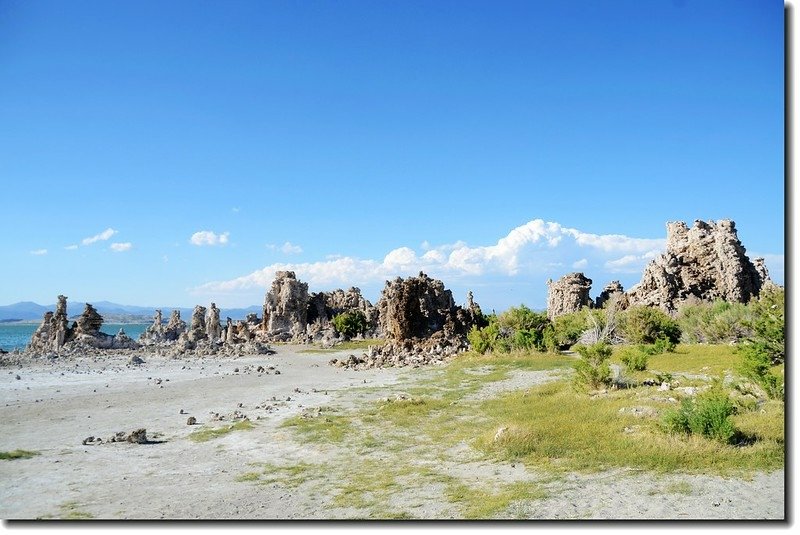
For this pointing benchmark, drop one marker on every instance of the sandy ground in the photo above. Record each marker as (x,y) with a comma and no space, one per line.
(52,407)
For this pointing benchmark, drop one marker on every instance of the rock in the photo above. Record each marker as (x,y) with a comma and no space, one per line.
(138,437)
(500,432)
(197,331)
(611,290)
(664,387)
(568,294)
(213,328)
(135,360)
(702,263)
(191,420)
(89,322)
(175,326)
(286,307)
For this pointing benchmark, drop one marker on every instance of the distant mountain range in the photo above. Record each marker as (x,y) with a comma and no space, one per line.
(111,312)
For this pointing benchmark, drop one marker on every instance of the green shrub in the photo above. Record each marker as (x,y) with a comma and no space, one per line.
(765,351)
(483,339)
(592,370)
(757,366)
(568,328)
(350,324)
(662,345)
(634,358)
(713,323)
(708,415)
(645,325)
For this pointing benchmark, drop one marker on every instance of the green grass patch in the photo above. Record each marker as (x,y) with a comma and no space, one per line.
(711,360)
(478,503)
(209,433)
(543,431)
(71,511)
(17,454)
(325,427)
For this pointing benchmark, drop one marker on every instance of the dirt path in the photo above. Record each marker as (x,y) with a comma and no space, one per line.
(52,408)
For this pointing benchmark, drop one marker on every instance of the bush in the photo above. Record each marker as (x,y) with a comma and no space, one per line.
(707,415)
(634,358)
(645,325)
(567,329)
(662,345)
(592,370)
(481,340)
(765,350)
(717,322)
(350,324)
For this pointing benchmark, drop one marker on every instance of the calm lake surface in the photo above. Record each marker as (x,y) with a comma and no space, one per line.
(17,335)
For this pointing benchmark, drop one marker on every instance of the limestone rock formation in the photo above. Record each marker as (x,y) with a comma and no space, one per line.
(197,331)
(568,294)
(89,322)
(54,335)
(612,290)
(213,328)
(175,326)
(286,307)
(324,306)
(421,322)
(702,263)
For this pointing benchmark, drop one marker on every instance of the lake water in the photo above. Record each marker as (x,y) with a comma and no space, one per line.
(18,335)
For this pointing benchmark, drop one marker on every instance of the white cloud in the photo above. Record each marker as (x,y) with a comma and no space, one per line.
(537,247)
(121,247)
(290,248)
(71,247)
(39,252)
(103,236)
(207,237)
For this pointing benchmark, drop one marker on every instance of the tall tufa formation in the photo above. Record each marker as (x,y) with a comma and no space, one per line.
(54,334)
(324,306)
(612,290)
(213,328)
(197,331)
(286,307)
(568,294)
(702,263)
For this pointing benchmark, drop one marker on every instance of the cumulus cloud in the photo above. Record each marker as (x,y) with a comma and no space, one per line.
(580,264)
(290,248)
(207,237)
(103,236)
(39,252)
(121,247)
(535,248)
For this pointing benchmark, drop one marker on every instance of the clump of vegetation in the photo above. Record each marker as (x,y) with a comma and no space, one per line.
(708,415)
(645,325)
(714,323)
(204,435)
(764,353)
(350,324)
(566,330)
(634,358)
(518,328)
(593,370)
(17,454)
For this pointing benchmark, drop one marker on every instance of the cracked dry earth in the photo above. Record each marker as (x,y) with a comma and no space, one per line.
(303,457)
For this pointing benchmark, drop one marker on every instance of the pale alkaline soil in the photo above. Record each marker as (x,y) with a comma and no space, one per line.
(306,456)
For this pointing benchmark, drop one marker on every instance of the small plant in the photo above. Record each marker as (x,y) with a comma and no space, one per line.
(17,454)
(634,358)
(708,415)
(757,366)
(663,377)
(481,340)
(592,370)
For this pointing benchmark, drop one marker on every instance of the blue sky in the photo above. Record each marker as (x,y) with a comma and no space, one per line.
(175,153)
